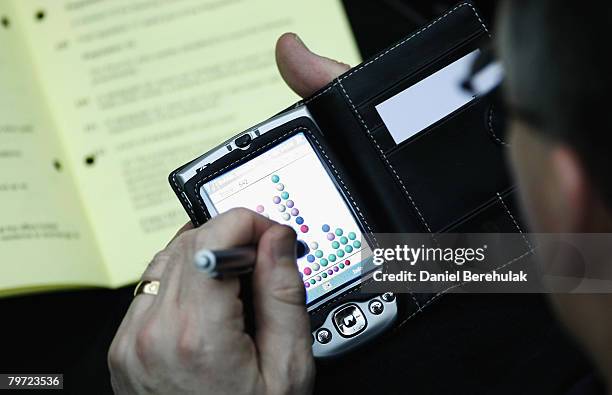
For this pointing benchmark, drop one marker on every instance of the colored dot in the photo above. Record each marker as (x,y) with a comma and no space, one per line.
(307,271)
(330,271)
(295,211)
(325,228)
(280,186)
(304,228)
(289,203)
(259,209)
(285,195)
(343,240)
(338,232)
(340,253)
(286,217)
(348,249)
(307,285)
(281,207)
(312,281)
(336,268)
(299,220)
(318,278)
(330,236)
(335,244)
(356,244)
(324,275)
(319,254)
(323,262)
(331,257)
(341,266)
(310,258)
(316,267)
(314,245)
(352,235)
(276,199)
(275,178)
(347,262)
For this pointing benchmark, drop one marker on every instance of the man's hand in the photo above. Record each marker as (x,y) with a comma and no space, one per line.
(304,71)
(190,338)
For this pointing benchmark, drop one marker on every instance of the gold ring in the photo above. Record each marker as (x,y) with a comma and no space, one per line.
(147,287)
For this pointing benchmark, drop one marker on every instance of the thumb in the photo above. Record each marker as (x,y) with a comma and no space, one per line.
(305,72)
(282,324)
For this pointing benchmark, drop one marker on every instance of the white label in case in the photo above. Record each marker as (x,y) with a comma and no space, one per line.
(435,97)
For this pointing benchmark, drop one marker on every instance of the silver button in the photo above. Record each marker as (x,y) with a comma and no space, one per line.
(323,336)
(376,307)
(349,320)
(388,297)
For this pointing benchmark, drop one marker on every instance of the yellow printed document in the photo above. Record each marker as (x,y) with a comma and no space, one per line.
(101,99)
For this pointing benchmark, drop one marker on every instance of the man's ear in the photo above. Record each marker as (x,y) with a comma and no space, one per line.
(573,188)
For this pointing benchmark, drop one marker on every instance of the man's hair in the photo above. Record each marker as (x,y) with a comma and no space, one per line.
(559,60)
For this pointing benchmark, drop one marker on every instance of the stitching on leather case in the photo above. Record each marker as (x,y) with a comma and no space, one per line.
(339,82)
(492,129)
(382,153)
(514,220)
(443,292)
(341,78)
(186,203)
(356,111)
(525,239)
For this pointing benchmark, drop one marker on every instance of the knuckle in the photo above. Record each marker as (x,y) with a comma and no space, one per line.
(183,240)
(146,342)
(116,357)
(189,344)
(239,216)
(294,295)
(240,213)
(162,258)
(285,231)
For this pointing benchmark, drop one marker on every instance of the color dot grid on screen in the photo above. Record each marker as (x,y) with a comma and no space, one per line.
(323,260)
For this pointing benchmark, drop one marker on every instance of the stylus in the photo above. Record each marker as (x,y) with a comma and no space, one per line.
(234,261)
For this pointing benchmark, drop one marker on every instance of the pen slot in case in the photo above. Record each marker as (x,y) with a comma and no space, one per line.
(371,116)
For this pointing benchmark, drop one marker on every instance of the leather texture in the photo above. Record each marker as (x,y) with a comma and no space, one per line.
(450,177)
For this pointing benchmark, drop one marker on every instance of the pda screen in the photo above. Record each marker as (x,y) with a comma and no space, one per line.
(289,184)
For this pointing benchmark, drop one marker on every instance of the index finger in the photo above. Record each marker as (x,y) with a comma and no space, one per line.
(195,290)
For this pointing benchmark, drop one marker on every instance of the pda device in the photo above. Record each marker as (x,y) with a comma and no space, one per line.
(395,144)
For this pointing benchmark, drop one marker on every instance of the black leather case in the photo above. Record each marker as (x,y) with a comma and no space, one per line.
(451,177)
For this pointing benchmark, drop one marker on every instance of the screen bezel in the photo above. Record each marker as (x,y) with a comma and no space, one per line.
(324,159)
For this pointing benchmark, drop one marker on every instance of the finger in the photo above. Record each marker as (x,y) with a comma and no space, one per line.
(283,327)
(234,228)
(213,305)
(155,271)
(237,227)
(183,229)
(304,71)
(180,283)
(156,267)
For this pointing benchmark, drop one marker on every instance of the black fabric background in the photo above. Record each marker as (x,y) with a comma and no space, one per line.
(468,344)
